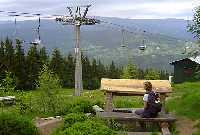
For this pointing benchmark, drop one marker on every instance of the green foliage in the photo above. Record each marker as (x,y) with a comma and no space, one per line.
(194,27)
(43,56)
(13,124)
(89,127)
(57,64)
(72,118)
(33,67)
(129,72)
(20,69)
(48,80)
(113,71)
(186,100)
(196,76)
(8,83)
(81,104)
(48,84)
(128,102)
(69,70)
(152,75)
(84,126)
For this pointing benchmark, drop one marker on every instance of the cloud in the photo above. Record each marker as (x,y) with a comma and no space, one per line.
(111,8)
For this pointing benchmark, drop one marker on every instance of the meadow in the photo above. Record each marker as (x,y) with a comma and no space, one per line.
(183,102)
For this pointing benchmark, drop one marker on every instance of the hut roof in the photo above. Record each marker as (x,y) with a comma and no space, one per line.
(194,59)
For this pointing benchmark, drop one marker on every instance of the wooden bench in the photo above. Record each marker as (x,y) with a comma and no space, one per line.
(133,87)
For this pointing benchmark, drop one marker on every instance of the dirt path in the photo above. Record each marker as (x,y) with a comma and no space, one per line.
(186,126)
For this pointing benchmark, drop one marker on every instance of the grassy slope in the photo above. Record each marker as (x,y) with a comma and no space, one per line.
(185,101)
(32,100)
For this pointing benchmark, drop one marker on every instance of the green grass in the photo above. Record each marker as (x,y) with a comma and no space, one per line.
(30,103)
(185,100)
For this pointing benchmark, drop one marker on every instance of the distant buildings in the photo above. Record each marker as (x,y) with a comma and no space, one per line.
(184,69)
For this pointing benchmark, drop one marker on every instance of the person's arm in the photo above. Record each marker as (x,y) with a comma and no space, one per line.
(145,99)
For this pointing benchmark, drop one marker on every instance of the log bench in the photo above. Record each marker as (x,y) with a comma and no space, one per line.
(133,87)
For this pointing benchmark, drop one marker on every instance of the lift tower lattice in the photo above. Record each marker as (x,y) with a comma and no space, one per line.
(77,19)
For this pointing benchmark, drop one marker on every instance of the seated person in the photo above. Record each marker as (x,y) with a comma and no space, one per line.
(152,103)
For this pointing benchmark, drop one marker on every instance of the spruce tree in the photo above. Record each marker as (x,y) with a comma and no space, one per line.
(43,56)
(8,55)
(94,82)
(129,72)
(20,69)
(57,64)
(151,74)
(140,74)
(33,66)
(2,61)
(101,70)
(113,71)
(87,73)
(69,70)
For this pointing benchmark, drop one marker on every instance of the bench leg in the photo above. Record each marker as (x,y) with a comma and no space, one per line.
(109,104)
(162,98)
(165,128)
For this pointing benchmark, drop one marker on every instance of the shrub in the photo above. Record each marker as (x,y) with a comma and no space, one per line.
(72,118)
(13,124)
(8,84)
(49,84)
(89,127)
(81,105)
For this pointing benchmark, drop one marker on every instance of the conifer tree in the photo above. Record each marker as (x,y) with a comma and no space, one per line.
(69,70)
(9,55)
(113,71)
(20,69)
(2,61)
(94,83)
(151,74)
(140,74)
(43,56)
(129,72)
(101,70)
(57,64)
(33,66)
(87,73)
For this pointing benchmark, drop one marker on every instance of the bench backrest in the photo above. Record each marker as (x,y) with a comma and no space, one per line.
(133,85)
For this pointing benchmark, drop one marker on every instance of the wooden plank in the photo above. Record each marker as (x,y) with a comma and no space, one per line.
(134,117)
(109,103)
(133,85)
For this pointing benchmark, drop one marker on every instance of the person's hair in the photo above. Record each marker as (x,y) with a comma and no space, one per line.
(147,86)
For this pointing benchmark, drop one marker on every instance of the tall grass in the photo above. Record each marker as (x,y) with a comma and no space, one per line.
(186,100)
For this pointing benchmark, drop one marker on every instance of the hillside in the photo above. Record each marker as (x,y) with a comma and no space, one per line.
(165,39)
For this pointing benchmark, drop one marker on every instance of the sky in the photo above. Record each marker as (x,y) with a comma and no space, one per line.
(131,9)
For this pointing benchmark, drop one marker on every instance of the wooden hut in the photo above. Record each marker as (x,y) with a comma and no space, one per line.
(184,69)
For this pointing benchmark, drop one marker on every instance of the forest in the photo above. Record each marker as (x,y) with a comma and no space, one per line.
(24,67)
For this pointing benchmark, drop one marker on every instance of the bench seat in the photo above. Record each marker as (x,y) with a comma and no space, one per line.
(134,117)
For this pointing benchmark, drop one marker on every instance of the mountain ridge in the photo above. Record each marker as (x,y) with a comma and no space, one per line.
(164,39)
